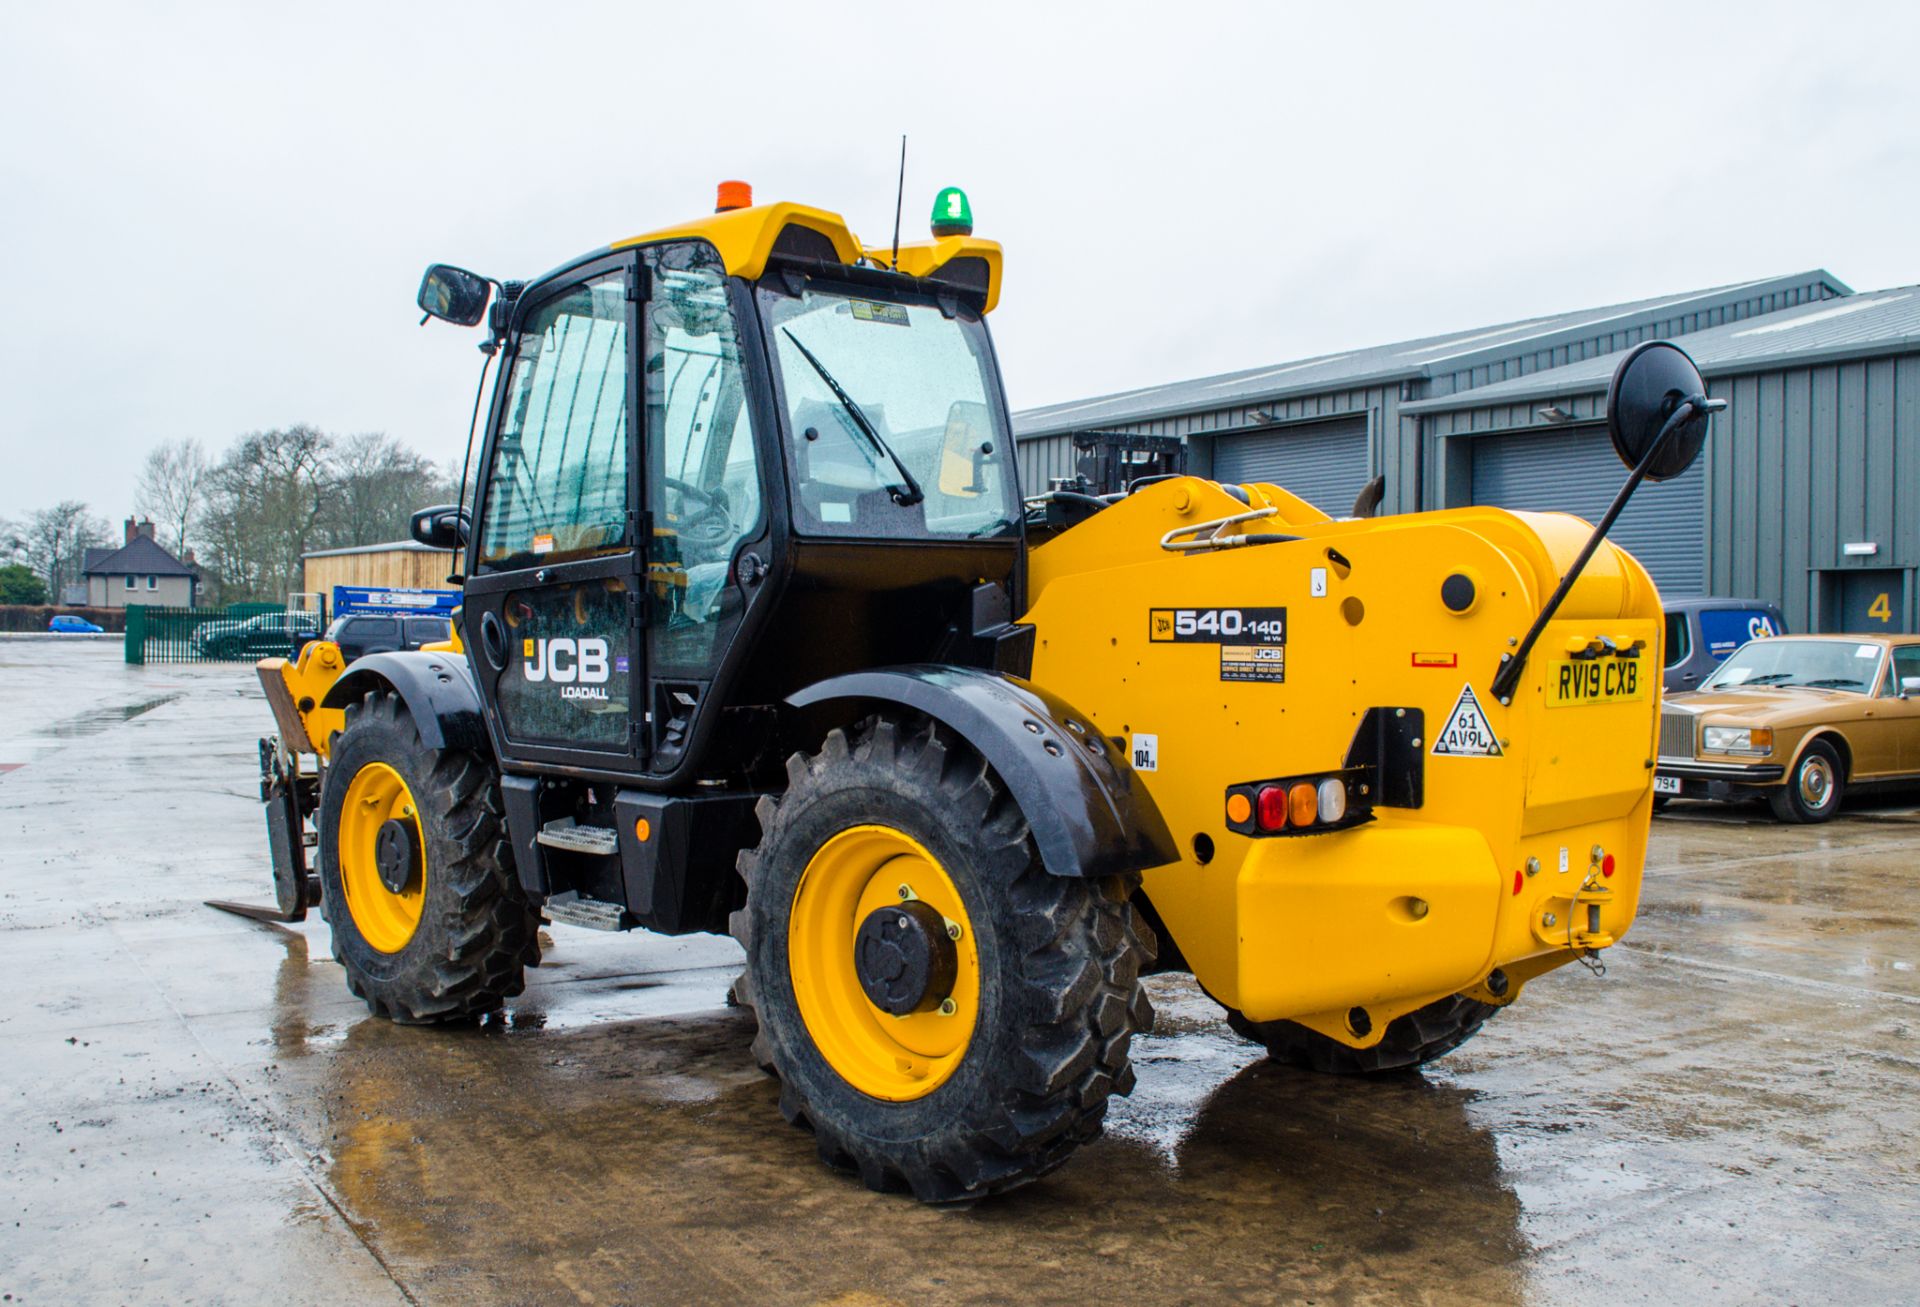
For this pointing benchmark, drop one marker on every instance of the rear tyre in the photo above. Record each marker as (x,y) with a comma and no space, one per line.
(1412,1040)
(950,1073)
(1811,792)
(417,881)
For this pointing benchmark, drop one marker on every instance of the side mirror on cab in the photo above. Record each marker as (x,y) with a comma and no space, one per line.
(454,295)
(444,526)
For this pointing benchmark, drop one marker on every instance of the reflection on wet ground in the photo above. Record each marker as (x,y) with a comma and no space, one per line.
(195,1109)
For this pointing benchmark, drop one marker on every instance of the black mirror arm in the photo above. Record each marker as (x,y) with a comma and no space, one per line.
(1507,679)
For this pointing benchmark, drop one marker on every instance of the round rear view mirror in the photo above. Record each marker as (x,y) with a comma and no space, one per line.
(1653,380)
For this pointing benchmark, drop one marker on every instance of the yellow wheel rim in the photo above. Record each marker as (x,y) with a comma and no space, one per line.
(896,1058)
(375,796)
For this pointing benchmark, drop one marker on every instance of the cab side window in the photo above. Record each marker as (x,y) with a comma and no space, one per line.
(557,490)
(703,472)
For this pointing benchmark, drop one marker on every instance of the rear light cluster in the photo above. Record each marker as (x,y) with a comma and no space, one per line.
(1300,805)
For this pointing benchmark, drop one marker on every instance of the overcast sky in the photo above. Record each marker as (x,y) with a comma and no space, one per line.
(213,219)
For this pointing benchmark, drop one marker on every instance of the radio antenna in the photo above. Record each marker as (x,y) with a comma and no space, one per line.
(899,195)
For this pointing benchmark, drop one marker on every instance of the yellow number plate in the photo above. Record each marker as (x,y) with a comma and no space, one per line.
(1576,683)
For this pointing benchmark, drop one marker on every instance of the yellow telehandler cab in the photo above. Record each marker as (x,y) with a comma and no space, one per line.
(758,636)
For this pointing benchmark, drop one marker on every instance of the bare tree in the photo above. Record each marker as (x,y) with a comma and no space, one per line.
(266,501)
(13,542)
(378,483)
(56,541)
(173,489)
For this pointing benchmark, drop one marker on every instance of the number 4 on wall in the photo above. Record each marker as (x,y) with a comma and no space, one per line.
(1881,609)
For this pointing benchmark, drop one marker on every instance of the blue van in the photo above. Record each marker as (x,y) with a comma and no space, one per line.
(1703,629)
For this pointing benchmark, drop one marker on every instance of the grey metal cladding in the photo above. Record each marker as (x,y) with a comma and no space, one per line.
(1806,459)
(1879,322)
(1526,345)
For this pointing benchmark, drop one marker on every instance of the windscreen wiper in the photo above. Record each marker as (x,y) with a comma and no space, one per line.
(908,492)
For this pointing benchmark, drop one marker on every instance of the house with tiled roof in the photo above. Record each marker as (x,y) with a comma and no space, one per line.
(139,571)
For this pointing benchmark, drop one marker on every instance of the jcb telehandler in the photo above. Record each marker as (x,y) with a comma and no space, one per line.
(758,635)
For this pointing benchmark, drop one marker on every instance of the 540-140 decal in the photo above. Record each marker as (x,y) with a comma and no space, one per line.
(1252,641)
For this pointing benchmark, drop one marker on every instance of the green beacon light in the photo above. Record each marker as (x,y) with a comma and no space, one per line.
(952,215)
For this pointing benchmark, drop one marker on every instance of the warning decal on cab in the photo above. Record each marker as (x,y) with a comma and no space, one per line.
(1467,733)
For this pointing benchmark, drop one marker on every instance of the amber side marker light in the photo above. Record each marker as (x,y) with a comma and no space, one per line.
(1303,803)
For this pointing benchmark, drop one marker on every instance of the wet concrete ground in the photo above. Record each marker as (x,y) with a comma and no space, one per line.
(193,1109)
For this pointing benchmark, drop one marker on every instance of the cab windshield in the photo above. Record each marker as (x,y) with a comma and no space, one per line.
(1818,664)
(891,417)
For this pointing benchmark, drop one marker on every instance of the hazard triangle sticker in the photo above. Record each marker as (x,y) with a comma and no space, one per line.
(1467,733)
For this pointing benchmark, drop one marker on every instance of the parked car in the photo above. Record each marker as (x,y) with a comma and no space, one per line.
(1703,630)
(265,636)
(1798,719)
(364,633)
(68,624)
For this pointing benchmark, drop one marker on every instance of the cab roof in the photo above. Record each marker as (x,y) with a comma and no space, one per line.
(747,239)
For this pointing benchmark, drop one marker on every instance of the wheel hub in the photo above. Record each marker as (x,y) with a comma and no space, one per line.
(904,959)
(396,856)
(1815,781)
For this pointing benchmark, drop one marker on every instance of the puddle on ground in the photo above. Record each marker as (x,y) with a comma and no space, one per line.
(33,744)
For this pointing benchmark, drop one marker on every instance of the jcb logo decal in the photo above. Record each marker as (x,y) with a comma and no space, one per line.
(564,660)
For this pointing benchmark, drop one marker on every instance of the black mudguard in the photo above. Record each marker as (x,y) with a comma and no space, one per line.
(438,689)
(1089,815)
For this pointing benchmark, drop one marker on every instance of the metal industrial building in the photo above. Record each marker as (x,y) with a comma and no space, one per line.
(1808,494)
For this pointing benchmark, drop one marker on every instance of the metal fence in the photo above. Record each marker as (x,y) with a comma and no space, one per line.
(242,633)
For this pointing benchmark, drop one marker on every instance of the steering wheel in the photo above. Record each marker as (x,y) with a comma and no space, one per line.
(704,519)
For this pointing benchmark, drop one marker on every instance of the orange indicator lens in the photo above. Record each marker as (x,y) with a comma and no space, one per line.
(1239,808)
(1303,803)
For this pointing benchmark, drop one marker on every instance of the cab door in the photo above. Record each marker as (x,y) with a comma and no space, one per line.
(551,612)
(706,490)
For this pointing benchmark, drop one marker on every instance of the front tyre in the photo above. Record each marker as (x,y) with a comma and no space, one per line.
(945,1015)
(1412,1040)
(1811,792)
(417,883)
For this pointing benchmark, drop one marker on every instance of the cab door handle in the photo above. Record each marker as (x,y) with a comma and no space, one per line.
(493,639)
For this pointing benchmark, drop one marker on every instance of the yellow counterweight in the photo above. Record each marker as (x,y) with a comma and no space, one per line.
(1217,667)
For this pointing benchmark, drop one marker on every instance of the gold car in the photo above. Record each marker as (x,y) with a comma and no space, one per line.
(1798,719)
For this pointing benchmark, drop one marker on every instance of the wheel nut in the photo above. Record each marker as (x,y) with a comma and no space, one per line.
(948,1007)
(953,930)
(906,893)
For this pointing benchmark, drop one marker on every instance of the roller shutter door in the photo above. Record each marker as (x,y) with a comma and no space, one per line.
(1575,471)
(1325,463)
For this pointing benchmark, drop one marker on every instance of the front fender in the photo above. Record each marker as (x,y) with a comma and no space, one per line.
(1808,734)
(1088,815)
(438,689)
